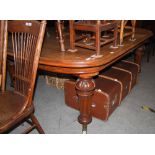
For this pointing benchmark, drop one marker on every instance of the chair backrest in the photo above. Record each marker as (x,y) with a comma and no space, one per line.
(3,53)
(27,38)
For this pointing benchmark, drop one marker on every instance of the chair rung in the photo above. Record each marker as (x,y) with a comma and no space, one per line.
(29,122)
(85,46)
(29,129)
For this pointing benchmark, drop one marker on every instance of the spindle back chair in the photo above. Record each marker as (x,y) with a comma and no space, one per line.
(3,54)
(96,27)
(26,43)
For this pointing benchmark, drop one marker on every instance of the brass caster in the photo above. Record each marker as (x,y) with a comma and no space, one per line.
(84,129)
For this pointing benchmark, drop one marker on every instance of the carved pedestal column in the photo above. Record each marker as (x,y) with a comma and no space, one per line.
(85,89)
(138,56)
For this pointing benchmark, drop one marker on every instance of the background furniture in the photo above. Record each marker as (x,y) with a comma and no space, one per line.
(150,44)
(17,106)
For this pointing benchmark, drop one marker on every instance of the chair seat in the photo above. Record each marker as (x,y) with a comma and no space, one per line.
(11,104)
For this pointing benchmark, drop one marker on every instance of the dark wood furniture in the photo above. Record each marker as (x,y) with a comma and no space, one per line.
(150,48)
(96,27)
(150,45)
(17,106)
(85,67)
(3,53)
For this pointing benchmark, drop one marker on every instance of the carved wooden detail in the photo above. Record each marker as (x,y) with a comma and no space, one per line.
(85,89)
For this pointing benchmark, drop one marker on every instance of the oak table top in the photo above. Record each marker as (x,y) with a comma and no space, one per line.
(81,62)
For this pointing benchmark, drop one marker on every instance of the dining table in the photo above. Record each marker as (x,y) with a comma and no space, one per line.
(83,64)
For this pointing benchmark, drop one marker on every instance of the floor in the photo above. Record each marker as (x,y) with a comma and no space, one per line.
(56,118)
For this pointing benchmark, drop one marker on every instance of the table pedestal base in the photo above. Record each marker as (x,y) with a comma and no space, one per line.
(85,87)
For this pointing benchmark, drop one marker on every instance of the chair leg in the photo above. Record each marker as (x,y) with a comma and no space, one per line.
(98,41)
(36,122)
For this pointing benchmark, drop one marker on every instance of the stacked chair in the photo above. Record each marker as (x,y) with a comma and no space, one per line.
(17,106)
(95,30)
(112,84)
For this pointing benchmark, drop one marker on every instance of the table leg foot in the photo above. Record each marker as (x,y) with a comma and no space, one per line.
(84,129)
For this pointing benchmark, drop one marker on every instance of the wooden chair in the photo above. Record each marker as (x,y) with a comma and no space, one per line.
(3,43)
(126,30)
(17,106)
(59,34)
(96,27)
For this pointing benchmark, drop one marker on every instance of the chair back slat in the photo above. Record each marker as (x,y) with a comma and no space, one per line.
(24,45)
(27,36)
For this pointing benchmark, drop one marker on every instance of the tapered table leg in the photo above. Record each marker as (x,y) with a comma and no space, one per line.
(138,56)
(85,89)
